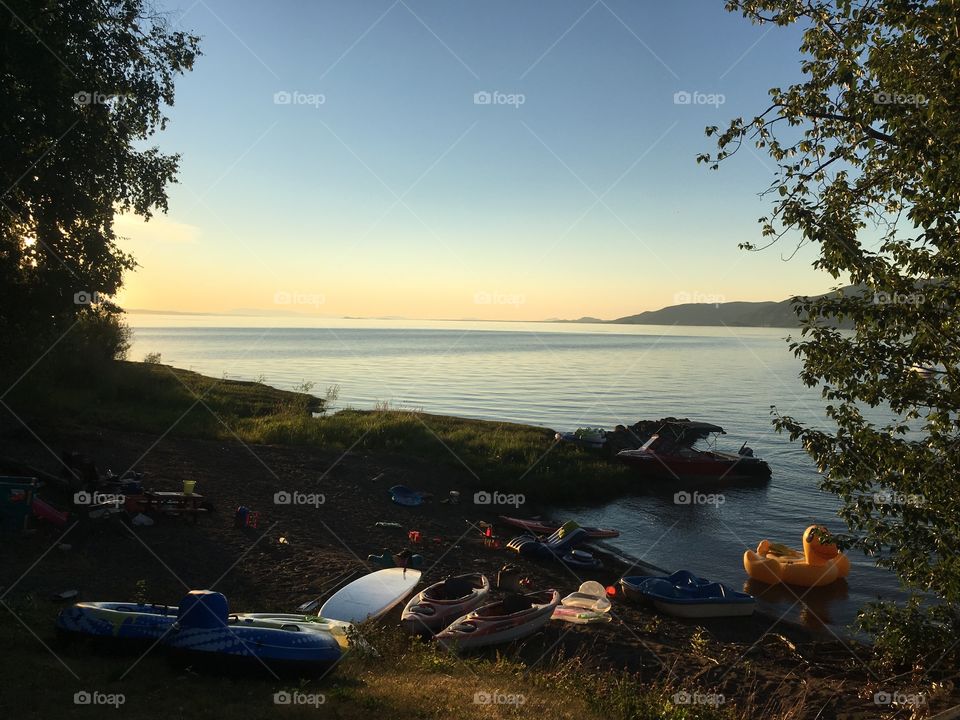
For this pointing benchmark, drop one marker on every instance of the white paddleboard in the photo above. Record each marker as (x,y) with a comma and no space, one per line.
(371,596)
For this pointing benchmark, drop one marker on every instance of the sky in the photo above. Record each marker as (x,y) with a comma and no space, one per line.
(454,159)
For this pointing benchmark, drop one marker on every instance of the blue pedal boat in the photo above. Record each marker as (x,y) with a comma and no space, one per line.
(685,595)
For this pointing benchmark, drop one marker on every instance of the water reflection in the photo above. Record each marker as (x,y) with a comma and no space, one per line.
(817,604)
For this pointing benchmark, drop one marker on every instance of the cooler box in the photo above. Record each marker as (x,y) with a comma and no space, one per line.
(16,498)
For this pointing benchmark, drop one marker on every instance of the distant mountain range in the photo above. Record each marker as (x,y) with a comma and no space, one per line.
(734,314)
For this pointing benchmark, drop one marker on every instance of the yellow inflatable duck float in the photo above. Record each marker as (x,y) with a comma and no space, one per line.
(818,564)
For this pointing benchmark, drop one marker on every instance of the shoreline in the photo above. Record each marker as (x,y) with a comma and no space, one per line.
(257,572)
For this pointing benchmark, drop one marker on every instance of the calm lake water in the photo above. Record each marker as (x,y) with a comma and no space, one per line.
(563,377)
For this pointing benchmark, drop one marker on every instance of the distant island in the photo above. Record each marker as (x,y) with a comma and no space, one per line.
(734,314)
(766,313)
(584,319)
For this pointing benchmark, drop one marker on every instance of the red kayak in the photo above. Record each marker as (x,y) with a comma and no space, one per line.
(541,528)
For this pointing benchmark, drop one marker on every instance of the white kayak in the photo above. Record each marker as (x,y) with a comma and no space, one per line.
(370,596)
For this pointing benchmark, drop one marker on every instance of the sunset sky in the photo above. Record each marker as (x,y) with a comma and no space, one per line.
(339,158)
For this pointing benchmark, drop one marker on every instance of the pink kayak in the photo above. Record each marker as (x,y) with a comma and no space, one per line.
(541,528)
(513,618)
(431,610)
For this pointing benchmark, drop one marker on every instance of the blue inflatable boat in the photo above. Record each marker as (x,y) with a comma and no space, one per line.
(202,629)
(205,633)
(129,622)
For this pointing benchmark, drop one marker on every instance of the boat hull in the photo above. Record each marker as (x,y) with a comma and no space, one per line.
(672,468)
(305,650)
(705,610)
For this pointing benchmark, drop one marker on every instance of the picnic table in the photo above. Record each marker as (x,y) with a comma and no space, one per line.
(190,505)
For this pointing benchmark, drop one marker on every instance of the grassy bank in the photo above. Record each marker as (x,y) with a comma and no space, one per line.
(157,399)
